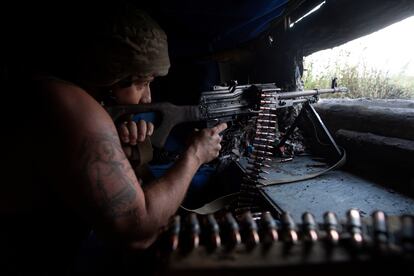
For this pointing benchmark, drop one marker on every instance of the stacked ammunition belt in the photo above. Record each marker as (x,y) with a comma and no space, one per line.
(262,151)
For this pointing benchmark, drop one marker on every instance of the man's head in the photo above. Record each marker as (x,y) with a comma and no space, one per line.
(124,45)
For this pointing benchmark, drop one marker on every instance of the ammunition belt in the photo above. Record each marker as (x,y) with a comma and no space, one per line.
(258,240)
(260,157)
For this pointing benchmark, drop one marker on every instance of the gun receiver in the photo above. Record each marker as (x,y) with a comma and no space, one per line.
(223,104)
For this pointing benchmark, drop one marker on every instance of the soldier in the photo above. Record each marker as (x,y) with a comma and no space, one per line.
(82,176)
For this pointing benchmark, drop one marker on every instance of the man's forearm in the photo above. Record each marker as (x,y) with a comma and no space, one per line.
(169,190)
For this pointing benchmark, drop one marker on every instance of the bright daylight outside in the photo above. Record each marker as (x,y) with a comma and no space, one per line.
(379,65)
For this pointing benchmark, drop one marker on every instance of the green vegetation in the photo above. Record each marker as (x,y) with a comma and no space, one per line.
(362,81)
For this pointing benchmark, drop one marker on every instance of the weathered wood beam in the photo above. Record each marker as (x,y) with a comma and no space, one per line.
(368,146)
(390,118)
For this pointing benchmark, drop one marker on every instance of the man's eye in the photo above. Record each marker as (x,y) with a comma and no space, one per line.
(142,84)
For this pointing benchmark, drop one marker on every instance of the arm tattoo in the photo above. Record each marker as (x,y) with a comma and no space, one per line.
(106,168)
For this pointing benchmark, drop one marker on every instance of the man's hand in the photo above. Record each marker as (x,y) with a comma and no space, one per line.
(206,143)
(131,133)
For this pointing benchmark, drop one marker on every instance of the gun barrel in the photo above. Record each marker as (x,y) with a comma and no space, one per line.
(295,94)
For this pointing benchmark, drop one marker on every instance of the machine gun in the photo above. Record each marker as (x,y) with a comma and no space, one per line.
(222,104)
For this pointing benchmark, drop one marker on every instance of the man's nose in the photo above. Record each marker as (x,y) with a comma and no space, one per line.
(146,97)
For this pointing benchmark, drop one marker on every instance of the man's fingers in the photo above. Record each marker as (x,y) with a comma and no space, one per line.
(133,132)
(219,128)
(150,128)
(123,133)
(142,130)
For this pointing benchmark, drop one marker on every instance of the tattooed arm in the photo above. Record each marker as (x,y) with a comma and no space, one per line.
(100,171)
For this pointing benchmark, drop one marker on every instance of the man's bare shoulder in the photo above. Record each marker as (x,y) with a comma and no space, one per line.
(53,87)
(73,103)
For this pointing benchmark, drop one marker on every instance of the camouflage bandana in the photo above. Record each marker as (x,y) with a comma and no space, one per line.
(129,44)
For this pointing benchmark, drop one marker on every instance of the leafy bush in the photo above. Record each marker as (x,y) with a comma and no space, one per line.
(361,80)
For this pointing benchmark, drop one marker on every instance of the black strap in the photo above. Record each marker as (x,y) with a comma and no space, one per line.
(215,205)
(338,164)
(226,200)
